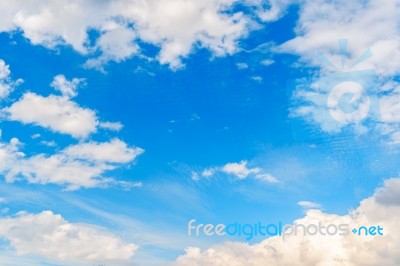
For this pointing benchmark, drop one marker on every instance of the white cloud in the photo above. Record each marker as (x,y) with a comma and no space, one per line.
(240,170)
(6,83)
(382,209)
(50,236)
(80,165)
(208,172)
(266,177)
(257,78)
(194,175)
(321,24)
(48,143)
(66,87)
(115,126)
(115,151)
(276,9)
(58,113)
(115,44)
(35,136)
(267,62)
(242,65)
(175,26)
(309,204)
(53,112)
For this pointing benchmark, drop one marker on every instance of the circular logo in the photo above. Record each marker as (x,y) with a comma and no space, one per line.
(356,107)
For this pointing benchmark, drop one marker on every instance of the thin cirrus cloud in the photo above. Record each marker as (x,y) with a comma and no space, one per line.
(307,205)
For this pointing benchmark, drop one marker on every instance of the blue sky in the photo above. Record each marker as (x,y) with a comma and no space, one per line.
(122,121)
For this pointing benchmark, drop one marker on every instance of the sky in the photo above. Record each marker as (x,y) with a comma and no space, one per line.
(122,121)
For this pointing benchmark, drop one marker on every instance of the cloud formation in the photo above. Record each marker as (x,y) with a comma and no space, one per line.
(80,165)
(383,208)
(50,236)
(321,24)
(176,27)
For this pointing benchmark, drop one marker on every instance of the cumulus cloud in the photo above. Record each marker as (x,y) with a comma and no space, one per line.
(58,112)
(175,26)
(80,165)
(53,112)
(50,236)
(382,209)
(116,43)
(321,24)
(6,83)
(115,151)
(67,88)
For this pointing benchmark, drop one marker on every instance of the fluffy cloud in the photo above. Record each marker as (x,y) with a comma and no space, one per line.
(115,44)
(58,112)
(382,209)
(49,235)
(6,83)
(115,151)
(67,88)
(175,26)
(240,170)
(80,165)
(53,112)
(321,24)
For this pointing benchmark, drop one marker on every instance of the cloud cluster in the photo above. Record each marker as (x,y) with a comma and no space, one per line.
(49,235)
(383,208)
(175,26)
(321,24)
(80,165)
(58,112)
